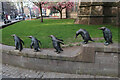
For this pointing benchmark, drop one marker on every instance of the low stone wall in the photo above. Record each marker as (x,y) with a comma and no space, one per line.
(5,25)
(103,59)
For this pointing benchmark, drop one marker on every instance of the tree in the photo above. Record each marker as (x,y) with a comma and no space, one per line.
(40,5)
(59,6)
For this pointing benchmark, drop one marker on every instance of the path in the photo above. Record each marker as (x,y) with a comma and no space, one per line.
(2,25)
(15,72)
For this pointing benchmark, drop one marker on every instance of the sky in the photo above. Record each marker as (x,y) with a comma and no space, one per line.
(63,0)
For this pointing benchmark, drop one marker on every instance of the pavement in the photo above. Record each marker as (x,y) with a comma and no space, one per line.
(2,23)
(9,71)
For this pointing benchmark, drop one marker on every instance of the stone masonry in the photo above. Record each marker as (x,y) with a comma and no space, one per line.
(104,59)
(16,72)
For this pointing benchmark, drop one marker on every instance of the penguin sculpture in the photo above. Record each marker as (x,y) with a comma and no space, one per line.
(56,43)
(35,43)
(107,35)
(18,42)
(85,35)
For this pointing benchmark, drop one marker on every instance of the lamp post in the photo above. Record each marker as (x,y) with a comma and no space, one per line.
(30,12)
(3,15)
(22,8)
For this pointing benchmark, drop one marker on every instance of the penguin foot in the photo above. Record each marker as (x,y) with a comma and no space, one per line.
(20,50)
(84,42)
(106,43)
(55,51)
(16,48)
(35,50)
(58,52)
(17,51)
(39,49)
(61,50)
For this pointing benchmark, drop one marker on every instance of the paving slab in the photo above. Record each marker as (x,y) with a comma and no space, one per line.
(2,25)
(16,72)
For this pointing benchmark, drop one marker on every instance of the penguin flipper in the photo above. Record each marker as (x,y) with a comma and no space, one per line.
(62,43)
(59,39)
(22,41)
(20,47)
(40,42)
(92,40)
(31,45)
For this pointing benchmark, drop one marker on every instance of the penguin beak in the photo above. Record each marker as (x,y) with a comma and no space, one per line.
(12,35)
(49,36)
(28,36)
(76,36)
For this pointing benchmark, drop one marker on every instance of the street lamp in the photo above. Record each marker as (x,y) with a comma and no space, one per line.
(22,8)
(3,14)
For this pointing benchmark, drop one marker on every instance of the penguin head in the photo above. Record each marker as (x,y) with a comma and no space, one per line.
(102,28)
(51,36)
(78,32)
(30,36)
(13,35)
(76,35)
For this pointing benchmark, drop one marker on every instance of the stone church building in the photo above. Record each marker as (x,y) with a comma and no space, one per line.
(98,13)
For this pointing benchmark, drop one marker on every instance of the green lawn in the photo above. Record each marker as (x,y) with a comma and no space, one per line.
(64,29)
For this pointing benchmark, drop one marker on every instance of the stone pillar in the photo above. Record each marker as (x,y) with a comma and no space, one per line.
(107,12)
(0,7)
(118,15)
(90,13)
(97,13)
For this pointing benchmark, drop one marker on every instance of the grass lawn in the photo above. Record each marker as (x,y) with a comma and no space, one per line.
(64,29)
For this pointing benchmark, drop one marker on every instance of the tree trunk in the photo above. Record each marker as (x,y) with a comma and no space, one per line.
(41,12)
(60,14)
(66,13)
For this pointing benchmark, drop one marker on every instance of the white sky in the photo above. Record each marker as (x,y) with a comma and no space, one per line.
(62,0)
